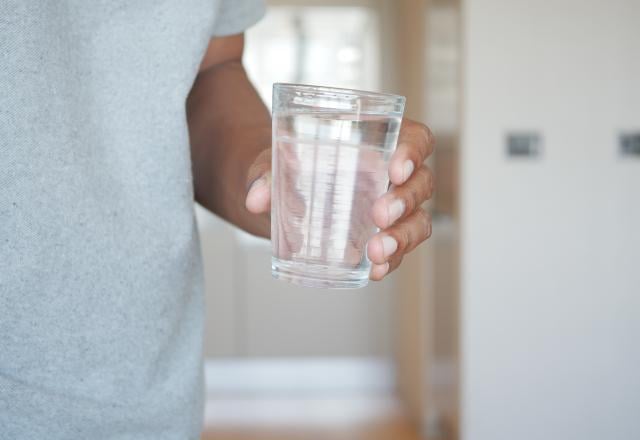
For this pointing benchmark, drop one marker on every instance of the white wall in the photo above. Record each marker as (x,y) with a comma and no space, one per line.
(551,280)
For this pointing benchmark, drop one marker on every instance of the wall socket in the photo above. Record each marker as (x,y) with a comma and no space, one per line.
(526,145)
(630,144)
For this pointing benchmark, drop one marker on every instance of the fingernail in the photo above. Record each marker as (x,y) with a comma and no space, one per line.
(407,169)
(395,210)
(389,245)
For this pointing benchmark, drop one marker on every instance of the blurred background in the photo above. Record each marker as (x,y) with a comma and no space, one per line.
(520,319)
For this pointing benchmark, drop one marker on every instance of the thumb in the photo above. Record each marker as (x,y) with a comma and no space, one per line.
(258,199)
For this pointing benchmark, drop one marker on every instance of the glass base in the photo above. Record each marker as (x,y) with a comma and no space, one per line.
(319,275)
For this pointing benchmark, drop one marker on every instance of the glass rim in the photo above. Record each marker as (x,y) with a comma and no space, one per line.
(340,92)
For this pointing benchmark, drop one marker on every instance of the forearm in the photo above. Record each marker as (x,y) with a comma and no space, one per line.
(229,126)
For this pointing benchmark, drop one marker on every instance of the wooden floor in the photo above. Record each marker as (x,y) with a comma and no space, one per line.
(307,418)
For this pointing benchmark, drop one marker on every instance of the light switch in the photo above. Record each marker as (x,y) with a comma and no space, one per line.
(630,144)
(524,145)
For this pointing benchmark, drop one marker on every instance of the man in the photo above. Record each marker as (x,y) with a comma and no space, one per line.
(101,304)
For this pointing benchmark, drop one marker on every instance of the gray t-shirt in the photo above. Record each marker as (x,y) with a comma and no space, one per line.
(101,301)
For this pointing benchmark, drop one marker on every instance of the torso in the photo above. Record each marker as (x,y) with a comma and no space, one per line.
(100,285)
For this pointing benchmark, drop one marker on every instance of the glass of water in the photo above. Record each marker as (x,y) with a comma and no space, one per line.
(331,150)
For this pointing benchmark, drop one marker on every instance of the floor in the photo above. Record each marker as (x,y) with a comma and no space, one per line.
(306,418)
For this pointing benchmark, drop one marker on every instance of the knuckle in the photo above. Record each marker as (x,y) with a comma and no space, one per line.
(426,132)
(417,157)
(403,239)
(429,183)
(419,126)
(431,138)
(423,184)
(425,176)
(425,221)
(413,199)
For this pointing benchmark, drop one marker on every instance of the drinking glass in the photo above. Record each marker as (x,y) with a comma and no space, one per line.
(330,157)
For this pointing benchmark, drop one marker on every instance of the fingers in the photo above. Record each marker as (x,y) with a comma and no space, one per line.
(399,239)
(404,199)
(415,144)
(407,225)
(259,167)
(258,198)
(379,271)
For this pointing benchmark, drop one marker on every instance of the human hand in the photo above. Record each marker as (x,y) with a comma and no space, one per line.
(258,199)
(403,222)
(398,213)
(289,234)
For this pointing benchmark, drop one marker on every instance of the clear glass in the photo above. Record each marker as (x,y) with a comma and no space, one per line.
(331,150)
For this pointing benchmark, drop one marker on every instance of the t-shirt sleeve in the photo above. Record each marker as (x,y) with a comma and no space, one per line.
(235,16)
